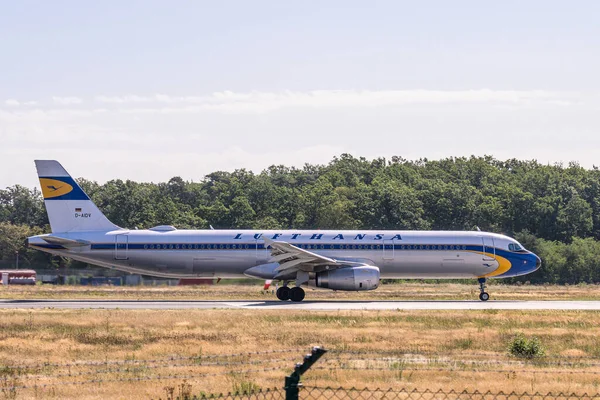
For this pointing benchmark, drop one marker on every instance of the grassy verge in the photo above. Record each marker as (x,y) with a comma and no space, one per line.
(413,349)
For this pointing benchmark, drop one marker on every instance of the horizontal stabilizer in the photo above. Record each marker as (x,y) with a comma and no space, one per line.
(69,243)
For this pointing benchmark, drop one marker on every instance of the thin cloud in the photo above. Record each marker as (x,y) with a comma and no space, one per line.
(16,103)
(157,98)
(196,135)
(261,102)
(66,101)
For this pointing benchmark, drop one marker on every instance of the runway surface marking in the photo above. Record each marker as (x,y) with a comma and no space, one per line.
(306,305)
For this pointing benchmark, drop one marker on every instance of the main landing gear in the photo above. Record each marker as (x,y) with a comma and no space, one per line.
(483,296)
(284,293)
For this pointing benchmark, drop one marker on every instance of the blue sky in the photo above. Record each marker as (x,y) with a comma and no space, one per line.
(195,83)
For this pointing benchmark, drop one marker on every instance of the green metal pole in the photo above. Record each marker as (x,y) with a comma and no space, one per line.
(292,382)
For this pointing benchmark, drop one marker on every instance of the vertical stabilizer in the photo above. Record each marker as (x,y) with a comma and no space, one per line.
(69,208)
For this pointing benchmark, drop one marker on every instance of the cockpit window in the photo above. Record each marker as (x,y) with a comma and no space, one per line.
(514,247)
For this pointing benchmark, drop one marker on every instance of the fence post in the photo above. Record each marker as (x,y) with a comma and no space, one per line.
(292,382)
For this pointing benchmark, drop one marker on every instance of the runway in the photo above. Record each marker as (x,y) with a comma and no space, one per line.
(306,305)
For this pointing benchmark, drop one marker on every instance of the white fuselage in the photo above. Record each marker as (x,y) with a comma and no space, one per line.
(172,253)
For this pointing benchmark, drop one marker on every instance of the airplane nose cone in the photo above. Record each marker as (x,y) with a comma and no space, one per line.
(538,262)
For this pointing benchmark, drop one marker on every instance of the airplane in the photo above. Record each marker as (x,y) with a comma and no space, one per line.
(345,260)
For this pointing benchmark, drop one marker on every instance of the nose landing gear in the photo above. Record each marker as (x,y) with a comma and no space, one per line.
(483,295)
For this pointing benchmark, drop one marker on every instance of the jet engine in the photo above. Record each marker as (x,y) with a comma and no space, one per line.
(351,278)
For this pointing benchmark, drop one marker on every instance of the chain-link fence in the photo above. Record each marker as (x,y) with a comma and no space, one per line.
(317,393)
(268,394)
(402,394)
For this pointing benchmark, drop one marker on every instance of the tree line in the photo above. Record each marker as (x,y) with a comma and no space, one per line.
(554,210)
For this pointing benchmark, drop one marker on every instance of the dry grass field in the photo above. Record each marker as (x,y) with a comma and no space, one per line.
(109,350)
(223,291)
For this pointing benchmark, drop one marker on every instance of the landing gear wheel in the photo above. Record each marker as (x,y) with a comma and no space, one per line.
(283,293)
(483,295)
(297,294)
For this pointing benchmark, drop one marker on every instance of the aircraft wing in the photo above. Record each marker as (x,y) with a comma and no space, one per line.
(292,259)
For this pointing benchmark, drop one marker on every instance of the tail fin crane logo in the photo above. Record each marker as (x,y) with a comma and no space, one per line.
(53,187)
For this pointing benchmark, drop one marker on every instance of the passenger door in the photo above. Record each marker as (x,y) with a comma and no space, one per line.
(121,246)
(489,249)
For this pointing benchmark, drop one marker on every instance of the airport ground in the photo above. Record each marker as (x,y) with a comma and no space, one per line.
(252,290)
(110,349)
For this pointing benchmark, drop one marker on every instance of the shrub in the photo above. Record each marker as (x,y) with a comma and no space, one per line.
(522,347)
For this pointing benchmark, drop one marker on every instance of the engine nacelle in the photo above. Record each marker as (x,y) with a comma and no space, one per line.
(351,278)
